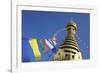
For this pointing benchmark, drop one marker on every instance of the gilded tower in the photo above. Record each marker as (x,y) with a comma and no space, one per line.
(69,49)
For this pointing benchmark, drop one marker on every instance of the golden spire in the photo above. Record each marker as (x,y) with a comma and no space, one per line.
(69,49)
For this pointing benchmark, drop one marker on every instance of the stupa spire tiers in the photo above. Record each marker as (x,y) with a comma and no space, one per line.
(69,49)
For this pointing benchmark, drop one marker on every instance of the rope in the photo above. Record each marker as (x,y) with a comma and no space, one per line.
(57,32)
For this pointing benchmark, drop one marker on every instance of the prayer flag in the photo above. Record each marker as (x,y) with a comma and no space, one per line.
(34,45)
(45,45)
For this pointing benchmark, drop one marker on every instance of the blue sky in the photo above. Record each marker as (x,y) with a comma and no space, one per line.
(43,24)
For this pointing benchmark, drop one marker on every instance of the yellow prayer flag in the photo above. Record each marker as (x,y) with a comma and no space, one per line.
(34,45)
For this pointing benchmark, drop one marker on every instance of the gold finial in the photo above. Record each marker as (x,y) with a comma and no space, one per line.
(72,22)
(72,19)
